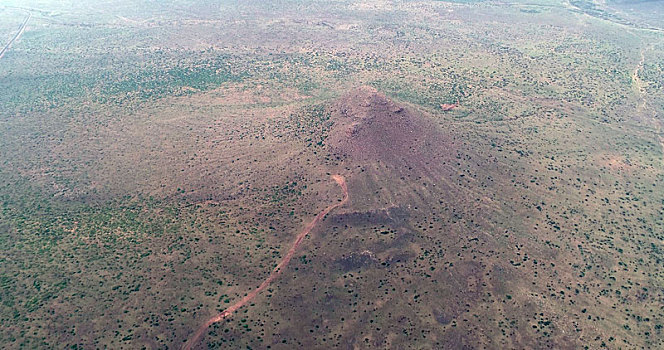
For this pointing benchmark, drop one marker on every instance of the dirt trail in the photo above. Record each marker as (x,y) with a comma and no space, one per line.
(644,107)
(18,34)
(196,337)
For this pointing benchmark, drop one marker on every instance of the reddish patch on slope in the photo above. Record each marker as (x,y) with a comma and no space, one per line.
(448,107)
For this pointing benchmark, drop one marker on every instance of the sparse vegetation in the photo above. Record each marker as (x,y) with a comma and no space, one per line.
(157,160)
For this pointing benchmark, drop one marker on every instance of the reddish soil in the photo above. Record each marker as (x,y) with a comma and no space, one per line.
(448,107)
(277,270)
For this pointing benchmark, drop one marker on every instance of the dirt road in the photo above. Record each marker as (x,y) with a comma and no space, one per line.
(18,34)
(196,337)
(645,106)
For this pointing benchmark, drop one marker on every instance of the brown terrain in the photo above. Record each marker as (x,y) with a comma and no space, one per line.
(165,175)
(196,337)
(371,127)
(403,168)
(384,142)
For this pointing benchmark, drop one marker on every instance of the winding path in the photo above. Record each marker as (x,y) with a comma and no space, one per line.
(196,337)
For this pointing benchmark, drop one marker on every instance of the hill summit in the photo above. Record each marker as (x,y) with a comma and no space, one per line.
(371,127)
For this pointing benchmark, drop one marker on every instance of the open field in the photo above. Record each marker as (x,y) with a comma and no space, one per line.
(504,164)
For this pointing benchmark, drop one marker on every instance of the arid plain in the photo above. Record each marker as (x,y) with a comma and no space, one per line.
(503,160)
